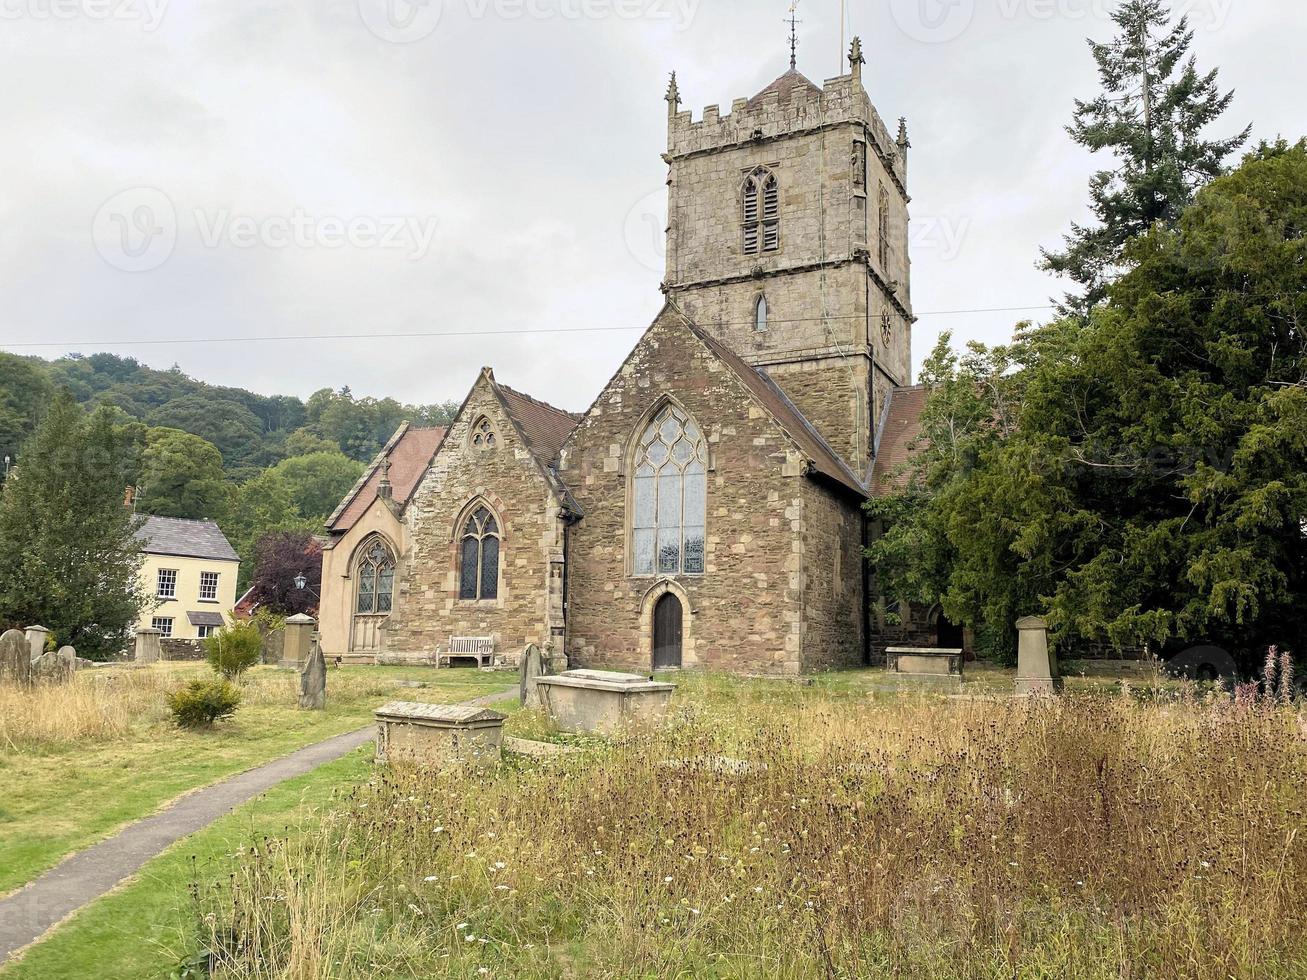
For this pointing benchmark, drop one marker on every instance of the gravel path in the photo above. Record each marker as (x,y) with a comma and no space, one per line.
(78,880)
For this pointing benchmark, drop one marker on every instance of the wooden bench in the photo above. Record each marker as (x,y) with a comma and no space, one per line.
(480,647)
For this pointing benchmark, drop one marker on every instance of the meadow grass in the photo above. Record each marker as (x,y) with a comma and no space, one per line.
(777,830)
(78,760)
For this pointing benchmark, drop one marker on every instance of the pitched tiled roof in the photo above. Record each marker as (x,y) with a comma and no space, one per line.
(409,452)
(786,413)
(187,539)
(204,618)
(785,86)
(900,425)
(545,427)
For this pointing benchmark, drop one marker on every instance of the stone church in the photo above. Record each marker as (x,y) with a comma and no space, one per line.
(707,509)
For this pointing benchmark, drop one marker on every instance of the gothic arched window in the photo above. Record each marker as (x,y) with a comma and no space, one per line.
(669,496)
(375,592)
(478,567)
(762,212)
(760,314)
(483,434)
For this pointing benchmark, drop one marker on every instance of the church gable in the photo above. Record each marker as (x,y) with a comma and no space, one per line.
(486,529)
(733,535)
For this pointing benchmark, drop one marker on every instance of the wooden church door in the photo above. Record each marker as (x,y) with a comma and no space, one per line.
(667,632)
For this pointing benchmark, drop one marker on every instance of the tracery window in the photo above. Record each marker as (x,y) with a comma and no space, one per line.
(762,212)
(760,314)
(483,434)
(376,580)
(669,498)
(478,570)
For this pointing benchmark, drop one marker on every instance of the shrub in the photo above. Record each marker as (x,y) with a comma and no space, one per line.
(201,703)
(234,649)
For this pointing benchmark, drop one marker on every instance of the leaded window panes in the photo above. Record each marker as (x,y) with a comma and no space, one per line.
(669,498)
(376,580)
(478,576)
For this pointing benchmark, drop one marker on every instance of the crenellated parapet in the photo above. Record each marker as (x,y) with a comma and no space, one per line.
(782,113)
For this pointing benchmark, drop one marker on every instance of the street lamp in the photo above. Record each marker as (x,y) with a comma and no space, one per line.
(300,581)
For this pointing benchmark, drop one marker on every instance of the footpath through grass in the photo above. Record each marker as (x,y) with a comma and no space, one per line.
(79,761)
(149,926)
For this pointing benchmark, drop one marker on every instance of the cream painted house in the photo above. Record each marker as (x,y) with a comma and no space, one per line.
(190,569)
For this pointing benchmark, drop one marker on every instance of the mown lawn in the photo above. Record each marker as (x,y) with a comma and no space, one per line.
(146,928)
(70,781)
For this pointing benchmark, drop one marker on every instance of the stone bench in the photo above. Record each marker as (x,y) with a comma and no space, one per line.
(435,734)
(602,701)
(930,665)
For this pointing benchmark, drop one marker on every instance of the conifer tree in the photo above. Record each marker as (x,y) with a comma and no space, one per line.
(69,559)
(1151,115)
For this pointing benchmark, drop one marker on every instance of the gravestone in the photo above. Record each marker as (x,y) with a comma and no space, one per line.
(15,658)
(36,637)
(69,656)
(532,668)
(313,682)
(147,646)
(436,734)
(297,640)
(52,668)
(1036,665)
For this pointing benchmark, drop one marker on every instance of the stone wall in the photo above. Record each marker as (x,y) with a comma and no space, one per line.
(428,610)
(172,648)
(833,619)
(746,613)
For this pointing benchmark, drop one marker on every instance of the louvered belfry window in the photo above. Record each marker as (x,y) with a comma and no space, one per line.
(762,212)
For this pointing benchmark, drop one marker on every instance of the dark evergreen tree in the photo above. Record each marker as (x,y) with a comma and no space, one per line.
(69,558)
(1152,115)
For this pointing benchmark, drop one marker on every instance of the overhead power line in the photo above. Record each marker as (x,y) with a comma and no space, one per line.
(435,334)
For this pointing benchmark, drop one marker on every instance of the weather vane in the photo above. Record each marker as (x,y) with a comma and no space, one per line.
(794,34)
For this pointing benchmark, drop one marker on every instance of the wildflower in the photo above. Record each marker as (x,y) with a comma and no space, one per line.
(469,938)
(430,878)
(461,926)
(499,865)
(668,878)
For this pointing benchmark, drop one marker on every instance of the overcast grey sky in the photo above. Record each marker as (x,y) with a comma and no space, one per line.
(180,170)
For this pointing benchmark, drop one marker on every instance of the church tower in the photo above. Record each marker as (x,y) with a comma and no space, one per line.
(787,240)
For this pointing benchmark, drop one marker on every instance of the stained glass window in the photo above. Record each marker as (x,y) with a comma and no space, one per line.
(478,574)
(669,498)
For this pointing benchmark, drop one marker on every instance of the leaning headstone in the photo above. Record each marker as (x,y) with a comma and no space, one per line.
(36,638)
(295,645)
(147,646)
(15,658)
(1036,665)
(69,656)
(532,668)
(313,682)
(51,668)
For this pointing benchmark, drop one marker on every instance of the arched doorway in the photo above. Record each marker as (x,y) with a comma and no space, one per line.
(667,632)
(374,595)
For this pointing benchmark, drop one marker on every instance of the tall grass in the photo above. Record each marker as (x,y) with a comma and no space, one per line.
(790,833)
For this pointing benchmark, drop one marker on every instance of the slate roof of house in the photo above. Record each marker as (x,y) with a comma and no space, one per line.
(785,86)
(409,451)
(900,425)
(824,459)
(185,538)
(204,618)
(545,427)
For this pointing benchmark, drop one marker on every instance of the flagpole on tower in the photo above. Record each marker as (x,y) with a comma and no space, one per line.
(840,60)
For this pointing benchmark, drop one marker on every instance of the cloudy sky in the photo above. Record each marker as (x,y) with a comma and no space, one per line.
(226,179)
